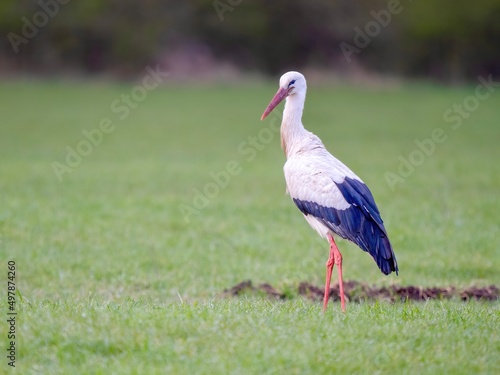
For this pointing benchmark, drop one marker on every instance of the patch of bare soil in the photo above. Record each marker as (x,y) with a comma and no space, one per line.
(356,291)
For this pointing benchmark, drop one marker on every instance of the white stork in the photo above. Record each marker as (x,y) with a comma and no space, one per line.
(332,198)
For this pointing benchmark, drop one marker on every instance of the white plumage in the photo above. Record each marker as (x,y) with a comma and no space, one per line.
(333,199)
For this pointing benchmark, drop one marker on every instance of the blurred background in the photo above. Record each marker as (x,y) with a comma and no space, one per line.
(451,41)
(129,206)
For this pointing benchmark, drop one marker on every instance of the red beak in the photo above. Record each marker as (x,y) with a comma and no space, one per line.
(278,98)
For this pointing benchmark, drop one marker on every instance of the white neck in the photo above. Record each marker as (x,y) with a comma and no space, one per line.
(292,129)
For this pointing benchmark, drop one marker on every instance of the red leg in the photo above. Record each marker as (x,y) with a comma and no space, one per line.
(329,269)
(335,258)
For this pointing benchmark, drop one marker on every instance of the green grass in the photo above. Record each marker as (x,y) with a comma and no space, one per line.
(259,337)
(114,279)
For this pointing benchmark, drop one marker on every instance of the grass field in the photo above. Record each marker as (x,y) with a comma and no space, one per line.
(122,253)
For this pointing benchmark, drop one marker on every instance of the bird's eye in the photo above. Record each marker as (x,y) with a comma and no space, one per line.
(291,82)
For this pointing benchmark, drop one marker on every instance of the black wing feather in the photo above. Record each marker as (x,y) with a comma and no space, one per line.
(360,223)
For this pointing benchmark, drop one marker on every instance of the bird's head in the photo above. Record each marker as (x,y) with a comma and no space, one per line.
(291,84)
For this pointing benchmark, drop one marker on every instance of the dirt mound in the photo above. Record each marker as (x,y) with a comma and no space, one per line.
(356,291)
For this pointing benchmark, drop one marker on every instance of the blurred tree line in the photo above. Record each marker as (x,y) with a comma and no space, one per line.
(451,40)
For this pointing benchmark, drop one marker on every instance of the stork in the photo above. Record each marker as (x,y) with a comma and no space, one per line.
(333,199)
